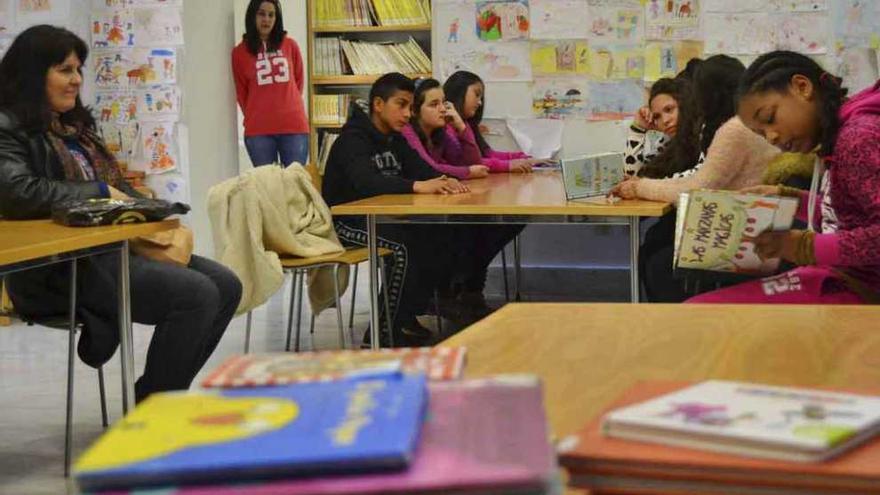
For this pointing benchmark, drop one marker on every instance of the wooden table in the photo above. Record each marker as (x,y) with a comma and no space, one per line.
(588,354)
(32,243)
(500,198)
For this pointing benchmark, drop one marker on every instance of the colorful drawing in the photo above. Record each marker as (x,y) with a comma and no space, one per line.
(492,61)
(34,5)
(616,21)
(118,107)
(135,68)
(801,32)
(705,414)
(560,57)
(170,187)
(673,20)
(119,139)
(615,100)
(854,22)
(616,62)
(454,26)
(159,102)
(668,58)
(161,26)
(738,33)
(113,29)
(558,19)
(559,98)
(159,147)
(502,20)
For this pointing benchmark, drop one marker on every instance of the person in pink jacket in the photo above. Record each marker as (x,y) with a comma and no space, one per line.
(794,104)
(466,92)
(440,136)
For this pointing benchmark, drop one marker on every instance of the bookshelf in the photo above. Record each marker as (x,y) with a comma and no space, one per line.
(350,83)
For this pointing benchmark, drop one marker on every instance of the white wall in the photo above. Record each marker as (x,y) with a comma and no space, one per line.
(209,107)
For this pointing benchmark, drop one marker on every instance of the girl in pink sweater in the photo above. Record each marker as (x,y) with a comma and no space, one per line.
(466,92)
(794,104)
(440,136)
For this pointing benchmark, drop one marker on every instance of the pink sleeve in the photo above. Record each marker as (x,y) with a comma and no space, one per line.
(506,155)
(468,151)
(496,164)
(444,168)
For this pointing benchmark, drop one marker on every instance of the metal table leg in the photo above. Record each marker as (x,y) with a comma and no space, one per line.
(634,258)
(374,281)
(126,347)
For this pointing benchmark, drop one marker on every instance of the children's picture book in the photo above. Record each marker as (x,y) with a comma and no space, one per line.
(254,370)
(256,433)
(596,461)
(716,230)
(592,175)
(481,436)
(762,421)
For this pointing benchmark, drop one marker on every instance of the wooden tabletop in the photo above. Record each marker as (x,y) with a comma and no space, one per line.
(588,354)
(24,240)
(539,193)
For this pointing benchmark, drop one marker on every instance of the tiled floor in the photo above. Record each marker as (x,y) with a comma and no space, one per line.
(33,364)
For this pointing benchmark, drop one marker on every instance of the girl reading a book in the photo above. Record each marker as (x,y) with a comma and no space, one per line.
(49,153)
(466,91)
(795,105)
(448,144)
(725,155)
(267,68)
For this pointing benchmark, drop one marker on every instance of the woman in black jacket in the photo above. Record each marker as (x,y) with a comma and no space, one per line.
(49,152)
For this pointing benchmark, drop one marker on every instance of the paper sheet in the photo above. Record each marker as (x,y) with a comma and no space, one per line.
(33,12)
(558,19)
(160,102)
(113,29)
(158,146)
(134,68)
(668,58)
(540,138)
(738,33)
(117,107)
(672,19)
(857,67)
(502,20)
(615,100)
(159,25)
(170,187)
(801,32)
(560,98)
(616,62)
(491,61)
(560,57)
(616,21)
(855,23)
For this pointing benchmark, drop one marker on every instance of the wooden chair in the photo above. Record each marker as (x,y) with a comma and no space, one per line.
(299,268)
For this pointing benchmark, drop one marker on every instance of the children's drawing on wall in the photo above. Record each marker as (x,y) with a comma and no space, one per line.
(559,98)
(738,34)
(558,19)
(615,100)
(454,27)
(854,22)
(113,29)
(502,20)
(170,187)
(135,68)
(161,26)
(616,62)
(857,67)
(729,6)
(493,62)
(799,5)
(34,5)
(560,57)
(33,12)
(120,139)
(801,32)
(119,107)
(616,20)
(668,58)
(672,19)
(159,102)
(159,147)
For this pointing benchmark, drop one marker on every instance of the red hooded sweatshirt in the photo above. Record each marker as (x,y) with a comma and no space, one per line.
(269,88)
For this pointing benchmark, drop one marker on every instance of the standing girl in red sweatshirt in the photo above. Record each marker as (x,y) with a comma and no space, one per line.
(794,104)
(268,71)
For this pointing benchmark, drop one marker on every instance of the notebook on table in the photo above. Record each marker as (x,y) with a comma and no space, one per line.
(591,176)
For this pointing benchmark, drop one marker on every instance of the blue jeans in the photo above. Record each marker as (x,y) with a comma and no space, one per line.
(278,148)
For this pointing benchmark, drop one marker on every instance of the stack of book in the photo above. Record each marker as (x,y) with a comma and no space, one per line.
(330,109)
(380,58)
(332,13)
(327,140)
(402,12)
(721,437)
(333,423)
(328,58)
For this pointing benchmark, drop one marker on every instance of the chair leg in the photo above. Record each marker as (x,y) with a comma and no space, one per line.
(437,311)
(504,273)
(517,268)
(311,333)
(354,286)
(388,320)
(103,395)
(299,297)
(247,332)
(294,289)
(338,306)
(68,425)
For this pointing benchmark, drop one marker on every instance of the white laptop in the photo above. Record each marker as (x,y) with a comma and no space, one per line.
(589,176)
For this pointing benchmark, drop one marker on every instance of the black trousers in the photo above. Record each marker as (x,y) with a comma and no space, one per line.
(480,245)
(655,263)
(190,307)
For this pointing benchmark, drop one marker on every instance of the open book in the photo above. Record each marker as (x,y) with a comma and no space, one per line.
(716,230)
(591,176)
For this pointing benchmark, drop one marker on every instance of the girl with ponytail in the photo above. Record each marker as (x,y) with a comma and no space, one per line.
(797,106)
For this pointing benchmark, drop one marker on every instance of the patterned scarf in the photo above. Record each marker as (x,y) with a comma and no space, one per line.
(102,161)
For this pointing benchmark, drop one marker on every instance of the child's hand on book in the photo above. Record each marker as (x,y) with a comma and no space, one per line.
(784,244)
(626,189)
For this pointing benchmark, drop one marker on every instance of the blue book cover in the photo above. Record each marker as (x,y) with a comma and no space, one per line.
(360,425)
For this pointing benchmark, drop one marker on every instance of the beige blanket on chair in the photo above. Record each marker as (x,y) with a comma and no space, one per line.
(269,211)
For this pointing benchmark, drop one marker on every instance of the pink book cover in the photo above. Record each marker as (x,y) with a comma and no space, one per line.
(480,435)
(283,368)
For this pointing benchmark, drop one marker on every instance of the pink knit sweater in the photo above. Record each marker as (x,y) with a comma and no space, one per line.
(737,158)
(452,157)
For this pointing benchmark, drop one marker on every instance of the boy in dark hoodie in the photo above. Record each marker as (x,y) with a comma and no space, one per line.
(371,158)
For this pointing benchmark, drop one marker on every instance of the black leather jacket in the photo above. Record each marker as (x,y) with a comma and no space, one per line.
(31,176)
